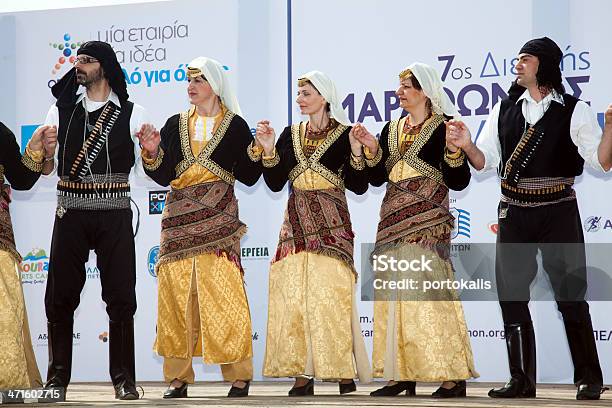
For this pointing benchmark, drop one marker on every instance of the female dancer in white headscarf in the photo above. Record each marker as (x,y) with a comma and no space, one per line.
(418,336)
(202,303)
(313,328)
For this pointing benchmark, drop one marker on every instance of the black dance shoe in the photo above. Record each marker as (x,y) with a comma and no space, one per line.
(126,391)
(395,389)
(176,392)
(590,391)
(457,391)
(304,390)
(236,392)
(516,387)
(346,388)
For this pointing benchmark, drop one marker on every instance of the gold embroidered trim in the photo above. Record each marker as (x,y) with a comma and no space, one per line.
(194,72)
(376,159)
(1,174)
(405,73)
(452,155)
(254,152)
(393,144)
(204,156)
(188,158)
(31,164)
(358,163)
(36,156)
(313,161)
(154,165)
(454,160)
(411,155)
(272,161)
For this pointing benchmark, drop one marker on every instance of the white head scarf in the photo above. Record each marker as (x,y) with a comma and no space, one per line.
(327,89)
(432,88)
(214,73)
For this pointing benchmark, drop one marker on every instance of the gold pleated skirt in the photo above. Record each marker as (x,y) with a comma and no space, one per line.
(17,360)
(421,340)
(313,328)
(225,321)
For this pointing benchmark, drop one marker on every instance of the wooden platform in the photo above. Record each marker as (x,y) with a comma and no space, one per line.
(274,394)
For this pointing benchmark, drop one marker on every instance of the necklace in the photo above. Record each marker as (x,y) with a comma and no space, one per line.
(414,129)
(319,134)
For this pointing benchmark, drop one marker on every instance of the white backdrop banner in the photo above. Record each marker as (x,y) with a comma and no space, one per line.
(365,46)
(362,46)
(154,44)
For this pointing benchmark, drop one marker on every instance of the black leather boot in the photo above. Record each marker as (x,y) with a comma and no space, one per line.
(587,371)
(520,343)
(59,336)
(121,359)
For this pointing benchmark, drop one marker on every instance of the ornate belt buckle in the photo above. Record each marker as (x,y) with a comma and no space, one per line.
(60,211)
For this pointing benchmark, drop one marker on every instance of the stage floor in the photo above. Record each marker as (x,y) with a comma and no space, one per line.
(274,394)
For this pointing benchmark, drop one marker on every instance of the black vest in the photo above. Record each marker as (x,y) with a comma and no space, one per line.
(556,155)
(70,137)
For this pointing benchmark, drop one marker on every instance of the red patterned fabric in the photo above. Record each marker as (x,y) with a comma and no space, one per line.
(317,221)
(414,211)
(200,219)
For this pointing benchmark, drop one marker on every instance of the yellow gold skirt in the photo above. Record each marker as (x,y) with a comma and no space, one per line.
(17,361)
(225,321)
(421,340)
(313,328)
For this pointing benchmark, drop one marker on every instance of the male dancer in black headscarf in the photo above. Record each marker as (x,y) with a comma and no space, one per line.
(539,138)
(96,151)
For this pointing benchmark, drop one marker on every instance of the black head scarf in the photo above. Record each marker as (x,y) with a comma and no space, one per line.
(545,49)
(66,88)
(549,73)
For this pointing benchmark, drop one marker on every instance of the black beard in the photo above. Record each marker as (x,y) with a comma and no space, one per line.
(88,79)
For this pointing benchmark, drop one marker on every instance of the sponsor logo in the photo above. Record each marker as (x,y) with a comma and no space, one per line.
(67,52)
(43,339)
(462,222)
(254,253)
(592,224)
(93,272)
(597,223)
(157,201)
(152,260)
(493,227)
(34,267)
(64,58)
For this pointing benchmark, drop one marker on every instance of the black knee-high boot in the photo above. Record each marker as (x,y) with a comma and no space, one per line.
(121,359)
(59,335)
(587,371)
(520,343)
